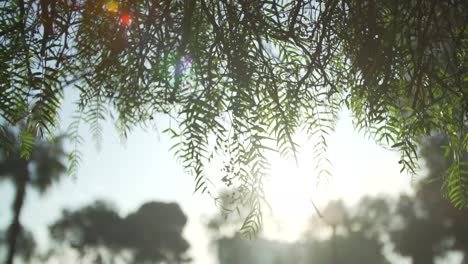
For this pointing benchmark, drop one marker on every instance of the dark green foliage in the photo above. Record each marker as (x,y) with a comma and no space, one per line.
(241,78)
(35,46)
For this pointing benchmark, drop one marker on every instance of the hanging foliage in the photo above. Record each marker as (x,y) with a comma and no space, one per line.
(241,78)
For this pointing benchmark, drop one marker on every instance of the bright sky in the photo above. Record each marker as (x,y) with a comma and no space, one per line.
(143,169)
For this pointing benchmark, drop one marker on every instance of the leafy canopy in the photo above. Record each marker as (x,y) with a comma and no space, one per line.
(241,78)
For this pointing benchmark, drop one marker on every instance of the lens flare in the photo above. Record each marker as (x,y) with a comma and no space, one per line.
(112,6)
(125,19)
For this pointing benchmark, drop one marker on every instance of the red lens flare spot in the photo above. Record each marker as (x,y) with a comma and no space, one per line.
(125,19)
(112,6)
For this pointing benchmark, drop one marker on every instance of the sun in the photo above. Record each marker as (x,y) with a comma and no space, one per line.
(294,195)
(293,192)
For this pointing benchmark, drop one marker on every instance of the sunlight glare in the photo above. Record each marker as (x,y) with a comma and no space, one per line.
(292,190)
(359,167)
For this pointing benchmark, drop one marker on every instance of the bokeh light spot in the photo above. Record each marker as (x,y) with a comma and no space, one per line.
(112,6)
(125,19)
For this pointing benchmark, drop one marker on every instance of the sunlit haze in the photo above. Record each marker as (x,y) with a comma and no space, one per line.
(143,169)
(359,167)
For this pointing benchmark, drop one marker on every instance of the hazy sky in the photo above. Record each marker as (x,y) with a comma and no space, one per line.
(142,169)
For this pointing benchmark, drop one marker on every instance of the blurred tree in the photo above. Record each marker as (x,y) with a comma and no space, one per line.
(90,229)
(235,249)
(359,237)
(238,77)
(434,219)
(352,248)
(418,235)
(39,169)
(429,224)
(25,243)
(153,234)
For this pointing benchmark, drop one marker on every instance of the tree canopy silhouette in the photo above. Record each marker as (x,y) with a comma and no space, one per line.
(241,78)
(151,234)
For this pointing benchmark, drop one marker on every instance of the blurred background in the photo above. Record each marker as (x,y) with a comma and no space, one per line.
(131,202)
